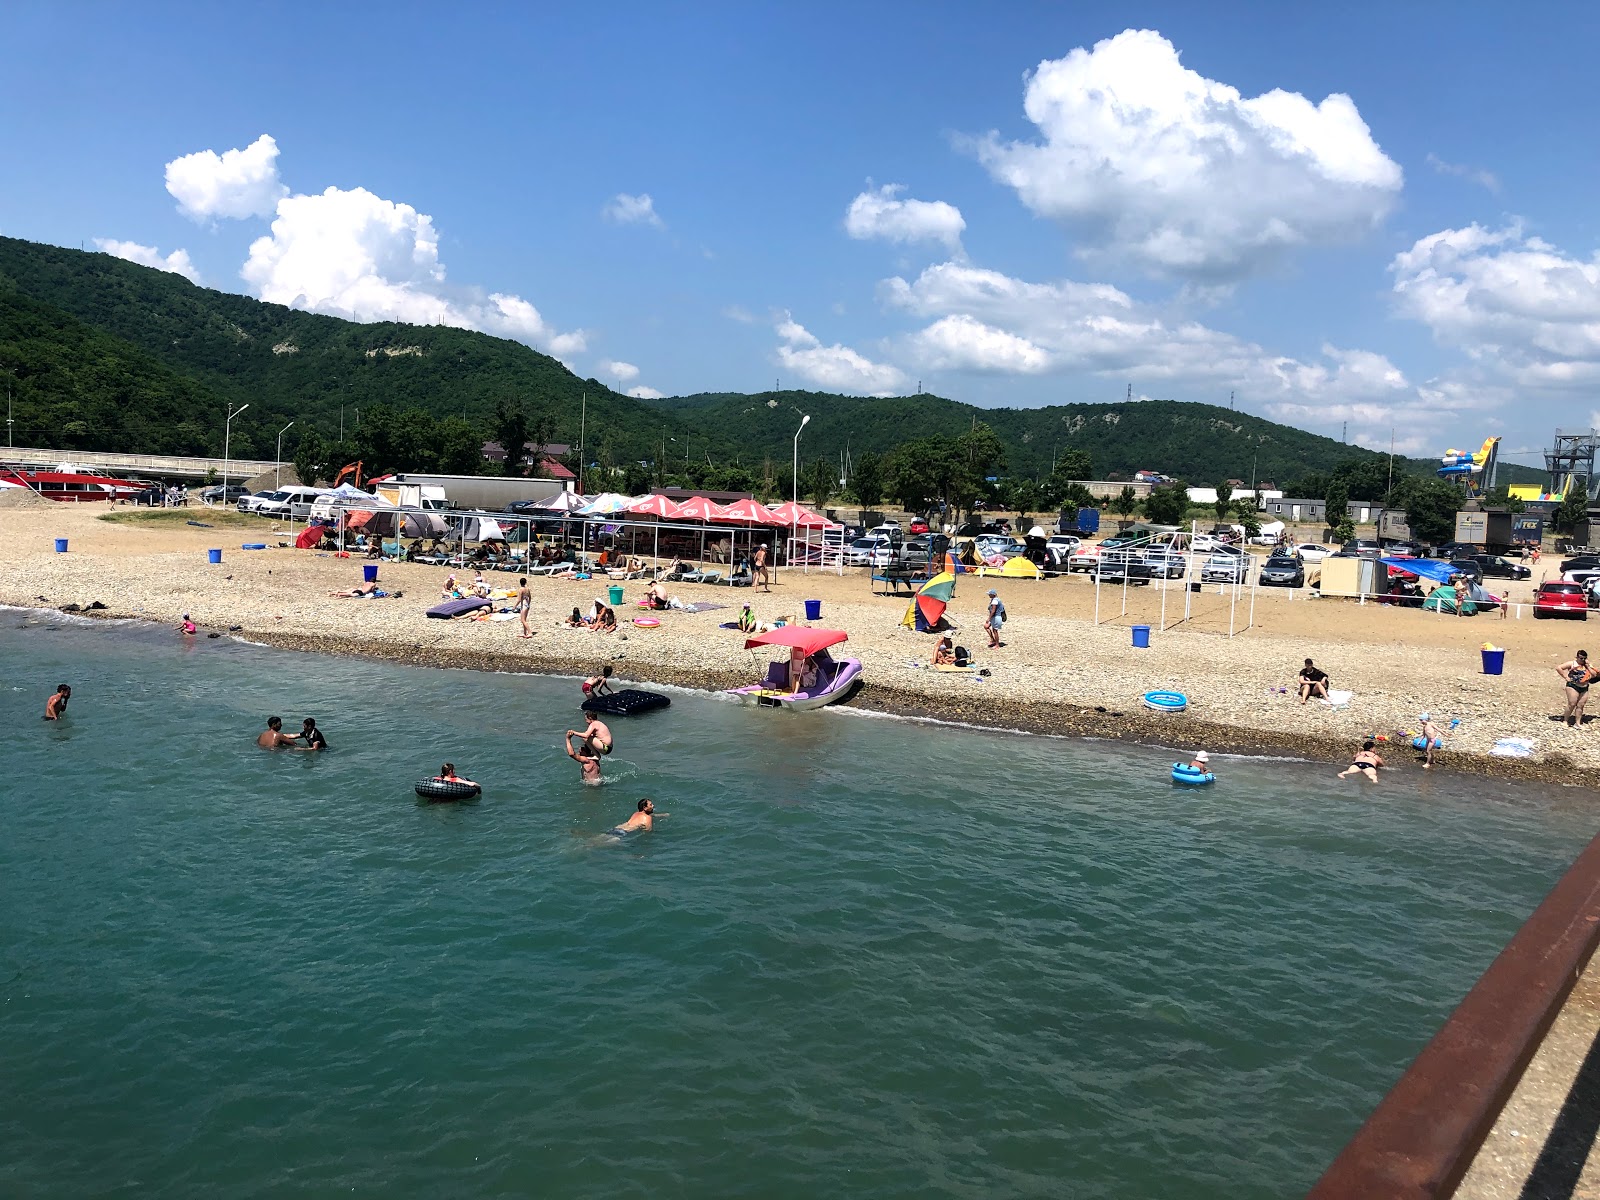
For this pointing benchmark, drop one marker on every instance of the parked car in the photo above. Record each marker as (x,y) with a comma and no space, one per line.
(294,501)
(1577,561)
(1456,550)
(1311,552)
(1496,567)
(1468,567)
(869,552)
(1165,563)
(1064,541)
(1266,539)
(990,544)
(916,552)
(217,494)
(1558,598)
(1356,547)
(1404,550)
(1084,558)
(1117,566)
(1225,568)
(248,504)
(918,525)
(1282,570)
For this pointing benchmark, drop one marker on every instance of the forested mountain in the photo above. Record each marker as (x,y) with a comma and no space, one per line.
(105,354)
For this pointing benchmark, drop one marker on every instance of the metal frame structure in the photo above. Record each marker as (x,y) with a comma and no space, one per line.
(1571,459)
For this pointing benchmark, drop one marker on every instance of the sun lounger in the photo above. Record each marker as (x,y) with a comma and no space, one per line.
(711,577)
(691,577)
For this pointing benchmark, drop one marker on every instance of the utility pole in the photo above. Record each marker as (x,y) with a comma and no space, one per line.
(1344,435)
(8,408)
(1130,393)
(583,428)
(1230,401)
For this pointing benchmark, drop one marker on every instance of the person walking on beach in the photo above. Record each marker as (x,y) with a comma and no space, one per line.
(1431,741)
(995,620)
(524,603)
(760,565)
(643,819)
(1577,675)
(312,735)
(588,763)
(1313,682)
(273,737)
(1365,763)
(56,707)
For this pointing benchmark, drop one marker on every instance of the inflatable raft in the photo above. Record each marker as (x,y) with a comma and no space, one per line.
(457,608)
(627,703)
(1185,774)
(445,789)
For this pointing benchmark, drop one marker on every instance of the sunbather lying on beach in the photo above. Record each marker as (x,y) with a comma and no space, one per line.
(367,591)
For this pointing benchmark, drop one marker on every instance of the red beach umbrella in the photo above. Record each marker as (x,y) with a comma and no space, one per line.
(698,508)
(750,512)
(655,506)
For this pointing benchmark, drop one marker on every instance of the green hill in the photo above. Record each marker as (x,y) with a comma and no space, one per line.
(106,354)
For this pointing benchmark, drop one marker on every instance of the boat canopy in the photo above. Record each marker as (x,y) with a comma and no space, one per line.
(800,637)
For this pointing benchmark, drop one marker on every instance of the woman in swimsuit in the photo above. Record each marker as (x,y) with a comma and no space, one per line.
(944,654)
(1365,762)
(1577,675)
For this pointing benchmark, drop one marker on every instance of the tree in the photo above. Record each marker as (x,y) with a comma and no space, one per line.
(1501,497)
(635,478)
(1245,510)
(311,458)
(1075,465)
(1021,496)
(866,481)
(1431,510)
(1077,496)
(1573,509)
(1167,504)
(511,430)
(1224,500)
(458,446)
(1337,501)
(1127,500)
(819,481)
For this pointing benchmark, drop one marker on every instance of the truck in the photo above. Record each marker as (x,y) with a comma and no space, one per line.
(426,496)
(1078,520)
(1392,526)
(1512,531)
(480,493)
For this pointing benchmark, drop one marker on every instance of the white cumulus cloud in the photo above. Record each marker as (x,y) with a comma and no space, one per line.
(880,213)
(621,371)
(237,183)
(645,393)
(352,254)
(633,210)
(1183,176)
(148,256)
(836,368)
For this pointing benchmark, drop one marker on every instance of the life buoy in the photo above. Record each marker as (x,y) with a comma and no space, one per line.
(446,789)
(1184,773)
(1169,702)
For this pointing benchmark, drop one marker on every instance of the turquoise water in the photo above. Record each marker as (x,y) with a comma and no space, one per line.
(862,957)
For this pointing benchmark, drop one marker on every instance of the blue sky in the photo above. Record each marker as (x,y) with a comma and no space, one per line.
(1378,215)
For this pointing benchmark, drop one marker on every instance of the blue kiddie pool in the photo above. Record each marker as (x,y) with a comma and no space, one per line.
(1171,702)
(1185,774)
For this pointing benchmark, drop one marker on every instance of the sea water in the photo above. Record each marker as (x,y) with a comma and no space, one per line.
(861,957)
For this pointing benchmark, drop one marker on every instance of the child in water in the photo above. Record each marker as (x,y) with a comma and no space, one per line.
(188,625)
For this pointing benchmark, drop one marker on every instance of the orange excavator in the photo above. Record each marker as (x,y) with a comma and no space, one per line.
(349,469)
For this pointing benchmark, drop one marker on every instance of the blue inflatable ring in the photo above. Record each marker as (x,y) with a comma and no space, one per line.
(1184,773)
(1174,702)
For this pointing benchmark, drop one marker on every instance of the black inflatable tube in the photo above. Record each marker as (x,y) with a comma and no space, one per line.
(444,789)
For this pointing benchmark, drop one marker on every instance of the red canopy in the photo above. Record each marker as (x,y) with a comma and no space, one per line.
(798,516)
(800,637)
(655,506)
(698,508)
(749,511)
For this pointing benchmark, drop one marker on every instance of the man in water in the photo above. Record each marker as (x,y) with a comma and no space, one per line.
(596,736)
(1312,682)
(588,763)
(643,819)
(312,735)
(56,707)
(273,737)
(1365,763)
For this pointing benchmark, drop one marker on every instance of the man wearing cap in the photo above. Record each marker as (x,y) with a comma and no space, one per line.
(996,618)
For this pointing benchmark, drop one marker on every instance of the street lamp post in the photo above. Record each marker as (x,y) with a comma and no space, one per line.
(277,466)
(794,467)
(227,434)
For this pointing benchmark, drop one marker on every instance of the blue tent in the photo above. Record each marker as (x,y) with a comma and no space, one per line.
(1427,568)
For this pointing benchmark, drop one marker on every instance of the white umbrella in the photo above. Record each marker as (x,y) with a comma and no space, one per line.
(562,502)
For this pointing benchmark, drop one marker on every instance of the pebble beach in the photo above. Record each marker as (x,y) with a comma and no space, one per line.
(1057,672)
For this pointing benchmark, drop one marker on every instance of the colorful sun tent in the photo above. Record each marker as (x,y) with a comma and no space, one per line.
(926,609)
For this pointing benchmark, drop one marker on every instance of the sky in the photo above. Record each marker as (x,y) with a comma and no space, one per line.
(1372,218)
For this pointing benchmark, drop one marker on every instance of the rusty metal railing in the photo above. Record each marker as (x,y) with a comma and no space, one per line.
(1422,1137)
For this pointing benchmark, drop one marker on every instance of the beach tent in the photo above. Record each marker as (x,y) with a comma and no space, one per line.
(1444,599)
(412,524)
(309,537)
(476,529)
(1017,567)
(1425,568)
(927,607)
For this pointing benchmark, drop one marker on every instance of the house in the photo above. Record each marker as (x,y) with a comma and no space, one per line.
(546,462)
(1315,512)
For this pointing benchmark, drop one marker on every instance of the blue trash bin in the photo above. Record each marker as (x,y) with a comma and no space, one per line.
(61,545)
(1141,637)
(813,610)
(213,556)
(369,572)
(1494,661)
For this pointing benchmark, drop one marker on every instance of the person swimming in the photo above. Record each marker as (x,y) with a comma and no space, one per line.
(273,737)
(643,820)
(447,774)
(588,763)
(188,625)
(312,735)
(56,707)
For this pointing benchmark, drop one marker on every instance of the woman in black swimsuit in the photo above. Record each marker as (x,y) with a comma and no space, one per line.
(1577,675)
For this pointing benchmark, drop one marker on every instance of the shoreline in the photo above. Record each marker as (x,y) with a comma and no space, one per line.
(984,713)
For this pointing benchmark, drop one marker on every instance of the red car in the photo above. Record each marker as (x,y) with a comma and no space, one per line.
(1558,599)
(918,525)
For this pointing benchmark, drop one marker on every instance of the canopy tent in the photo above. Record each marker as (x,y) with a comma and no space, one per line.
(798,637)
(927,607)
(749,512)
(1427,568)
(798,516)
(353,497)
(473,528)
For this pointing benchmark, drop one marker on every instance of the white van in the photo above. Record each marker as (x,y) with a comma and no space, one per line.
(293,501)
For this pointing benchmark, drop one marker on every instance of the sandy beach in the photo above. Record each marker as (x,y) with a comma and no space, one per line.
(1057,671)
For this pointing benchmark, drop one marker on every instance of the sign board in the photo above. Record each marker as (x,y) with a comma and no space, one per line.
(1527,531)
(1472,527)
